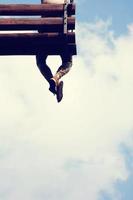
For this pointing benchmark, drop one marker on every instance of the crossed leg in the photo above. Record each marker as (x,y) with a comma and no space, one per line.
(55,85)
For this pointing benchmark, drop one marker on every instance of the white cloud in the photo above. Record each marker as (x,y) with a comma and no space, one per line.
(70,150)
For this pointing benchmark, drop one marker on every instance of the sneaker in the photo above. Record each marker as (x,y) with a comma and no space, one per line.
(53,87)
(59,94)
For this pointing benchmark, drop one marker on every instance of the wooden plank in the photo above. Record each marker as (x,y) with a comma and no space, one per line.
(44,24)
(42,38)
(30,49)
(35,9)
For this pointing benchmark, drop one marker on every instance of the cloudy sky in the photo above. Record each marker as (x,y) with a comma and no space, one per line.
(81,148)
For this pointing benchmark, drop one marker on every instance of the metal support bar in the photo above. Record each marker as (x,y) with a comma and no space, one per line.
(48,10)
(65,16)
(71,1)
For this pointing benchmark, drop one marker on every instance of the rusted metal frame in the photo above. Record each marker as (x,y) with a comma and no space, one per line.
(65,20)
(72,3)
(53,10)
(44,24)
(32,48)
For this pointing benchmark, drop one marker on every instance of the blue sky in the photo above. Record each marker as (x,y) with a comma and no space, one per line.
(108,106)
(119,11)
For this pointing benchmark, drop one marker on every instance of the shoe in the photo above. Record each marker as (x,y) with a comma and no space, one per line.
(53,87)
(59,94)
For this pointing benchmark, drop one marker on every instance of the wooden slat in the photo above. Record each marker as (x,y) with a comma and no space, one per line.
(44,24)
(36,38)
(35,9)
(30,49)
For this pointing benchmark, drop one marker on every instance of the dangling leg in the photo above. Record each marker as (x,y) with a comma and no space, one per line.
(45,71)
(63,70)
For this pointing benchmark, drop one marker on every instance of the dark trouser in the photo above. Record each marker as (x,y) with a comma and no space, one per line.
(45,70)
(43,67)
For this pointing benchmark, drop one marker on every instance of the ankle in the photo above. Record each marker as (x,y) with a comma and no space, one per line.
(55,80)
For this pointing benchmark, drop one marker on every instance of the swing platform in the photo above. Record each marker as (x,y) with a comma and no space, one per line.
(27,29)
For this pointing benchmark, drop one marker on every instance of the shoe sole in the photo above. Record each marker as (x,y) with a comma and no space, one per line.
(60,91)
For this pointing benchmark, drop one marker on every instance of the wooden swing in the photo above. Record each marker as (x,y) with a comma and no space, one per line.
(27,29)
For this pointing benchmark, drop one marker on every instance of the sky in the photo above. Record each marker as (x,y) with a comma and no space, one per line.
(81,148)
